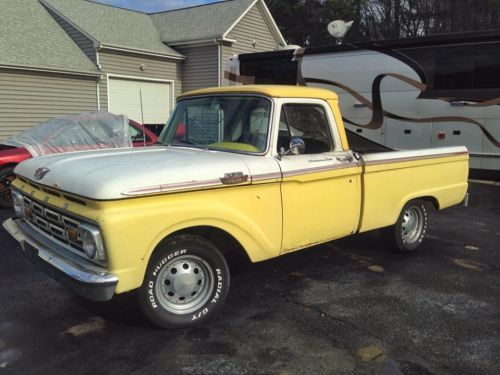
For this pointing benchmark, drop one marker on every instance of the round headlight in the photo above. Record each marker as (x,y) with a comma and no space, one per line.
(18,203)
(91,238)
(89,245)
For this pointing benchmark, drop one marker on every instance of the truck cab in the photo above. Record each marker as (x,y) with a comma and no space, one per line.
(320,165)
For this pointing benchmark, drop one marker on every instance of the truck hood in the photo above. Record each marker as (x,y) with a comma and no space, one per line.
(118,173)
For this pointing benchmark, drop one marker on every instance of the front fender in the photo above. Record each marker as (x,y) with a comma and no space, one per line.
(133,228)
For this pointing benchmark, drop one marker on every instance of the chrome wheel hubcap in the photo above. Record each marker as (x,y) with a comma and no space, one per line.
(413,224)
(184,284)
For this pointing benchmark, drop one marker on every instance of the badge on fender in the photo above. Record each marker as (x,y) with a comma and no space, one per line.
(234,178)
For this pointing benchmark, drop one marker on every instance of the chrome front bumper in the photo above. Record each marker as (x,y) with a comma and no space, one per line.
(86,279)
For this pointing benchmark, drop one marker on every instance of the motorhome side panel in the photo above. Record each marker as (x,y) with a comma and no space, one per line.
(405,94)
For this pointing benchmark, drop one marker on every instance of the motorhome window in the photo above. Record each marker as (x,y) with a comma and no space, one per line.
(467,67)
(487,67)
(307,121)
(233,123)
(454,68)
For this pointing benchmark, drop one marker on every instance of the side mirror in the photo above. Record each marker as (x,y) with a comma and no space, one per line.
(297,147)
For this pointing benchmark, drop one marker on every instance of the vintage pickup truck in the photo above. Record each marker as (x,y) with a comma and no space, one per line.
(253,170)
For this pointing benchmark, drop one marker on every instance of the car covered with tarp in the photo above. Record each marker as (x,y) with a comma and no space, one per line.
(80,132)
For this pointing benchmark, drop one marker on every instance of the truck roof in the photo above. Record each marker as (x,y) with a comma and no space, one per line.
(275,91)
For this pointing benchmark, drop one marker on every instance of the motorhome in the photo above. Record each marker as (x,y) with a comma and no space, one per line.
(405,94)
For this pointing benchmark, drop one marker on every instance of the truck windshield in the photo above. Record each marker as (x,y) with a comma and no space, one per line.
(233,123)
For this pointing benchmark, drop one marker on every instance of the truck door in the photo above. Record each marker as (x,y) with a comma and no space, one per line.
(321,193)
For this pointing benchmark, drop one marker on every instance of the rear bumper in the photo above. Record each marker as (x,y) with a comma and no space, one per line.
(465,202)
(84,279)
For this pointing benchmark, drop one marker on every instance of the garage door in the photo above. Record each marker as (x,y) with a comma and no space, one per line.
(146,102)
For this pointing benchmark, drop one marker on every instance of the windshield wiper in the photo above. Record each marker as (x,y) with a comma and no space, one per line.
(191,143)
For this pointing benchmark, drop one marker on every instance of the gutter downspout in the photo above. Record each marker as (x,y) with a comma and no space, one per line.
(98,94)
(97,47)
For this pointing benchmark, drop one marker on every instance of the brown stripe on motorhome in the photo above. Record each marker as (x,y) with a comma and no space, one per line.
(378,112)
(298,54)
(246,80)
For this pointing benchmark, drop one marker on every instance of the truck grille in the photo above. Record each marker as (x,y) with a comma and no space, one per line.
(54,223)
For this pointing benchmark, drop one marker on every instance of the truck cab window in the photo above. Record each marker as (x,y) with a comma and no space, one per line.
(238,123)
(307,121)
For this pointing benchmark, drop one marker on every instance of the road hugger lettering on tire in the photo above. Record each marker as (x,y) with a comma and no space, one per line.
(200,314)
(151,296)
(219,286)
(187,281)
(166,259)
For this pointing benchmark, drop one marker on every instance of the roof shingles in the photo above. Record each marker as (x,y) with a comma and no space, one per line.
(31,38)
(113,26)
(199,23)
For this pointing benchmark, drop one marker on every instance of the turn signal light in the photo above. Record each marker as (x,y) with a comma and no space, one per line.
(73,234)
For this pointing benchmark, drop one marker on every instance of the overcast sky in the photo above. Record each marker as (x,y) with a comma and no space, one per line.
(155,5)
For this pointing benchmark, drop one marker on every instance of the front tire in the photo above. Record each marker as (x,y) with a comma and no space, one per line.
(409,231)
(186,282)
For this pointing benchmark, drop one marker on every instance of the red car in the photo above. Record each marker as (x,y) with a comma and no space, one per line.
(10,156)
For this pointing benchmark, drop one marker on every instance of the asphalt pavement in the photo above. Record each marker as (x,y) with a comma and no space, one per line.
(349,306)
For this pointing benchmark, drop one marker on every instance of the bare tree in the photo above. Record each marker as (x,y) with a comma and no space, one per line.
(386,19)
(465,15)
(304,21)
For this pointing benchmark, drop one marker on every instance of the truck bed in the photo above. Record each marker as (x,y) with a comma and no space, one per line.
(362,145)
(390,179)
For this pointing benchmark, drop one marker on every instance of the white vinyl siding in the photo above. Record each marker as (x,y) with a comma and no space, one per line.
(29,98)
(200,67)
(143,101)
(130,65)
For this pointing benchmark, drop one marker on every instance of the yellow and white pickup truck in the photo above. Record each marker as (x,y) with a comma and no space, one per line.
(253,170)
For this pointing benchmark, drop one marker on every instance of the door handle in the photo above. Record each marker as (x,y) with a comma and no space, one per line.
(345,159)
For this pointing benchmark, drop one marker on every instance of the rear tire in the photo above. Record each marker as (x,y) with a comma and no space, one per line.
(186,282)
(409,231)
(6,177)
